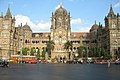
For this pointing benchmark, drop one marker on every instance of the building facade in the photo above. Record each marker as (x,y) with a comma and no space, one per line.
(14,39)
(112,26)
(107,37)
(7,27)
(23,37)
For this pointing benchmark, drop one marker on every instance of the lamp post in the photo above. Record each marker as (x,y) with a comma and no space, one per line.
(36,51)
(87,52)
(21,55)
(76,55)
(116,50)
(0,52)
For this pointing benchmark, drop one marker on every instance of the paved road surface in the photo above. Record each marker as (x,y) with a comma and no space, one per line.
(60,72)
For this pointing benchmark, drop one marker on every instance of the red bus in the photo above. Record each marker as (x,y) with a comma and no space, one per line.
(24,59)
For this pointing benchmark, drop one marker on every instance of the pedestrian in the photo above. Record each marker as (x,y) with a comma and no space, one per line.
(108,61)
(5,63)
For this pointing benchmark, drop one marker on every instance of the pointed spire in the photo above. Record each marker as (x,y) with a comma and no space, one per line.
(111,9)
(118,15)
(61,4)
(1,15)
(111,12)
(99,23)
(8,13)
(95,22)
(26,23)
(21,24)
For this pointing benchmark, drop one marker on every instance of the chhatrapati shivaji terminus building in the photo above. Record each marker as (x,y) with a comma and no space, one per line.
(13,39)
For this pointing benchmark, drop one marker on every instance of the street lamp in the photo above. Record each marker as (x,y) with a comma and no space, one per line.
(36,51)
(21,55)
(83,53)
(0,52)
(87,52)
(76,55)
(116,50)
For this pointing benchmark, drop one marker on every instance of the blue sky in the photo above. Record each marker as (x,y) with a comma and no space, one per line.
(37,13)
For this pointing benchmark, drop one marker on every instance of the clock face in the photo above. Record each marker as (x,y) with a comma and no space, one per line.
(5,27)
(60,32)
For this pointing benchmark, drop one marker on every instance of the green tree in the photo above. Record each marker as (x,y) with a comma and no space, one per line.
(32,52)
(101,53)
(49,46)
(68,46)
(43,53)
(96,52)
(24,51)
(82,51)
(38,53)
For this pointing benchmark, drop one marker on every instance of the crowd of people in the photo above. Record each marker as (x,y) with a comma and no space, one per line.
(4,63)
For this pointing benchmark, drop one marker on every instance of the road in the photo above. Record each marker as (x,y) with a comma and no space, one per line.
(60,72)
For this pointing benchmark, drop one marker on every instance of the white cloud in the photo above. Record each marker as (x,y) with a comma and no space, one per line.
(81,28)
(41,26)
(84,29)
(117,4)
(77,21)
(78,25)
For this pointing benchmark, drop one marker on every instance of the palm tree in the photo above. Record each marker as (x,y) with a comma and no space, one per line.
(68,46)
(32,52)
(43,53)
(38,53)
(80,50)
(50,46)
(24,51)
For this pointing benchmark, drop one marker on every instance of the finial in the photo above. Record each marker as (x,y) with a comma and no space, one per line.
(8,5)
(2,14)
(8,13)
(111,10)
(52,13)
(99,23)
(110,5)
(118,15)
(61,4)
(21,24)
(95,21)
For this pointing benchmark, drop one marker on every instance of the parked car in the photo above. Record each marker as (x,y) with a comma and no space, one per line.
(117,61)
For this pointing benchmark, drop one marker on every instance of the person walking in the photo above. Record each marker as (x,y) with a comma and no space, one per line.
(108,61)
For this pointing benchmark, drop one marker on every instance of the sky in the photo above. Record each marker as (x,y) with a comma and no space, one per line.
(37,13)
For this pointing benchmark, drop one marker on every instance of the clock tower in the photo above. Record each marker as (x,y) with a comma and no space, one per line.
(60,32)
(112,25)
(7,26)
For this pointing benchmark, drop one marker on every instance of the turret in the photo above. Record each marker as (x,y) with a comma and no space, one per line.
(1,15)
(111,13)
(8,13)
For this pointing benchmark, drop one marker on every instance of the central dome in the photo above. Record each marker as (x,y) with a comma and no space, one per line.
(60,9)
(26,27)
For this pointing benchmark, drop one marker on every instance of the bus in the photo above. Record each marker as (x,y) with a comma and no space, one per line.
(23,59)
